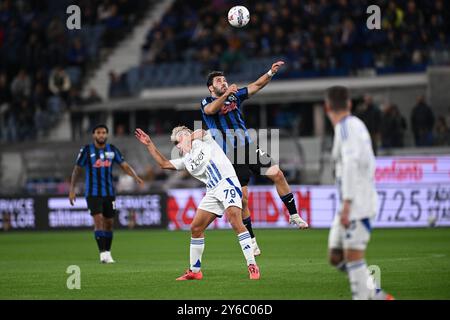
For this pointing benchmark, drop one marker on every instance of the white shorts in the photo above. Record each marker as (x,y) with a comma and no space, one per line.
(355,237)
(226,194)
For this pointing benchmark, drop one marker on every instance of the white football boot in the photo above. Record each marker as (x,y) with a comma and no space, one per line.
(108,257)
(298,221)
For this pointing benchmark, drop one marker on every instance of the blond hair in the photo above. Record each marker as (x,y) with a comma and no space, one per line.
(177,130)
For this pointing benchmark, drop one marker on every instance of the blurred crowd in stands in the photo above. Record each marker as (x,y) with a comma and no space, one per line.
(42,63)
(315,38)
(387,126)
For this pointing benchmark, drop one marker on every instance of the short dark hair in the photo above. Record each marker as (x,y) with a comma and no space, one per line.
(211,77)
(100,126)
(337,97)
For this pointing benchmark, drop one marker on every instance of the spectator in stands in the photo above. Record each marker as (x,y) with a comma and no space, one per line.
(25,119)
(21,85)
(59,83)
(120,130)
(7,121)
(393,126)
(5,94)
(442,132)
(422,122)
(93,97)
(117,87)
(74,100)
(371,115)
(34,53)
(55,30)
(77,56)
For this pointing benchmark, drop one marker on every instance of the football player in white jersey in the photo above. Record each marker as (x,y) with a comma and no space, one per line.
(354,169)
(203,158)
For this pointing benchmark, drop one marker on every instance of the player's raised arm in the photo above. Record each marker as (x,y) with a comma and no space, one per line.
(214,107)
(154,152)
(264,79)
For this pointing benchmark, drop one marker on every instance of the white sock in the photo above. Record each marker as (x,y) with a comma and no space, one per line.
(196,251)
(246,245)
(361,282)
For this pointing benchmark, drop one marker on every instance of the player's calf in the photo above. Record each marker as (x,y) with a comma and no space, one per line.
(234,217)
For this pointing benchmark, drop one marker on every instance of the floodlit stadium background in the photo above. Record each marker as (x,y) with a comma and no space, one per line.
(143,64)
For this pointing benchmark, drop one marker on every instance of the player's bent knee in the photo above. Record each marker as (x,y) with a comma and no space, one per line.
(275,173)
(196,231)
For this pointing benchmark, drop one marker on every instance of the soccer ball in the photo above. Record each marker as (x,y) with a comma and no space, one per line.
(238,16)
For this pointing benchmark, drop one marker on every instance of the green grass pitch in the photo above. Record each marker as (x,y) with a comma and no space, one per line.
(415,264)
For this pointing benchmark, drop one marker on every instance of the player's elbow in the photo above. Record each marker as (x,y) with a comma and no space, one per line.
(209,111)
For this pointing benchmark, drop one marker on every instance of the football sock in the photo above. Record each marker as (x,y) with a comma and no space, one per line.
(361,282)
(289,202)
(196,251)
(248,224)
(246,245)
(108,237)
(98,234)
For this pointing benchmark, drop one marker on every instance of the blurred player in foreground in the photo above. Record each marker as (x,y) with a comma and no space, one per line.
(222,114)
(205,161)
(354,169)
(98,158)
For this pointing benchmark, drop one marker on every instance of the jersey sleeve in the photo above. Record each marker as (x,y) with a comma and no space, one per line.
(178,163)
(349,155)
(205,102)
(82,157)
(242,94)
(118,157)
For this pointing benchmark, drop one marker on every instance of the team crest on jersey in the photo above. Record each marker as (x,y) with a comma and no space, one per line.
(109,155)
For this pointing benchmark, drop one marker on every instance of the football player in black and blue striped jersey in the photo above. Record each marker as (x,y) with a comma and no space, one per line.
(221,113)
(98,159)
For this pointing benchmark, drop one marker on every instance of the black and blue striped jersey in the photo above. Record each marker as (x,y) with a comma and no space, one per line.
(227,126)
(98,164)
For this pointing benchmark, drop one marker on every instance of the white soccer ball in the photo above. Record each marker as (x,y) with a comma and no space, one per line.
(238,16)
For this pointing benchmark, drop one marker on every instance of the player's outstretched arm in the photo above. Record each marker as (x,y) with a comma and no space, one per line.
(254,87)
(73,180)
(214,107)
(154,152)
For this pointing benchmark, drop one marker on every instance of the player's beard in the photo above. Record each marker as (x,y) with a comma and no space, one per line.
(100,141)
(220,91)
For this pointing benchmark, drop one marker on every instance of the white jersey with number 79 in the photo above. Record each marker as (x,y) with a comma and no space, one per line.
(206,162)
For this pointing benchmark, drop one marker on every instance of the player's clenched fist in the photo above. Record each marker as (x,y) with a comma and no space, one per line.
(231,89)
(276,66)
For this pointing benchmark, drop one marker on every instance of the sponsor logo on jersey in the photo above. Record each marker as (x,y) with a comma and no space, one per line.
(100,163)
(227,107)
